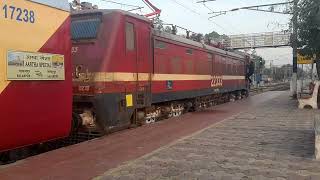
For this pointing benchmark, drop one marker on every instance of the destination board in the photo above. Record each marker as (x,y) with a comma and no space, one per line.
(35,66)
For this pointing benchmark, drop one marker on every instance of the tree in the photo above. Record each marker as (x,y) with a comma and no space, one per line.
(196,37)
(309,29)
(215,37)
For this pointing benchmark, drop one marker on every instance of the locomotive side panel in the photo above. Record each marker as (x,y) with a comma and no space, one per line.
(35,72)
(184,71)
(180,71)
(232,71)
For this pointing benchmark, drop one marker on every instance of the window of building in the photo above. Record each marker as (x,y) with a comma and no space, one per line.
(130,37)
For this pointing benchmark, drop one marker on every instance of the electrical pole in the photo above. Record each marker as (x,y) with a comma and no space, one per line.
(271,69)
(312,65)
(294,49)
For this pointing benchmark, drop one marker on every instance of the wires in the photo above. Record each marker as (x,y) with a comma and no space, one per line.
(204,4)
(199,14)
(123,4)
(191,10)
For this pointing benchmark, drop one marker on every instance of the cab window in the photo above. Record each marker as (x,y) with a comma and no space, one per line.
(130,38)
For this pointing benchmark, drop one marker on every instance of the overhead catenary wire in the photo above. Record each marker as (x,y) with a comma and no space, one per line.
(199,14)
(253,8)
(186,7)
(204,4)
(122,4)
(204,1)
(135,7)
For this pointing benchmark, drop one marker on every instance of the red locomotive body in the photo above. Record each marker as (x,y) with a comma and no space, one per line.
(125,72)
(193,69)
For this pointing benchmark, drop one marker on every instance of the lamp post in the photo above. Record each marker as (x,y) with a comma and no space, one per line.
(294,49)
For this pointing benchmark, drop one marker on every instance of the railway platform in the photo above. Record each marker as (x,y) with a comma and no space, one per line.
(263,137)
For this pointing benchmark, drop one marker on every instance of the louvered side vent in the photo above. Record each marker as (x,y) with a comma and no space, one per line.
(85,29)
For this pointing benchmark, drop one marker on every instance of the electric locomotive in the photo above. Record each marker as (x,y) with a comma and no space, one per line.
(127,73)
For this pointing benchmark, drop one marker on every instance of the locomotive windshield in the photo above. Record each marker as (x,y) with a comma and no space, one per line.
(85,28)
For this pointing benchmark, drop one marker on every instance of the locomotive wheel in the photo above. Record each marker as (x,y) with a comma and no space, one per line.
(148,121)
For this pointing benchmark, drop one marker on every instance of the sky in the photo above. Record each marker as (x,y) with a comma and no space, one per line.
(194,16)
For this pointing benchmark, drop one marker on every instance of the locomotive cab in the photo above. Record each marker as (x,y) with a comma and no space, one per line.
(111,67)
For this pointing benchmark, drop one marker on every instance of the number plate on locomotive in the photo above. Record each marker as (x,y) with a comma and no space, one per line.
(216,81)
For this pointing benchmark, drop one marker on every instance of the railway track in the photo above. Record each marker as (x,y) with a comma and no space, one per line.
(271,87)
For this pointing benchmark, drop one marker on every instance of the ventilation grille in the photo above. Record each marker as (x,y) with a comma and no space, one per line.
(85,29)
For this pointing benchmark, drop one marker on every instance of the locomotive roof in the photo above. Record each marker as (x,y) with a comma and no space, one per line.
(159,33)
(108,11)
(194,43)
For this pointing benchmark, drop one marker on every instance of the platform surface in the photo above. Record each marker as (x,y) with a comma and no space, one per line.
(273,140)
(264,136)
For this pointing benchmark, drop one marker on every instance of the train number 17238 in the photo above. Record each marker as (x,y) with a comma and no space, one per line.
(18,14)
